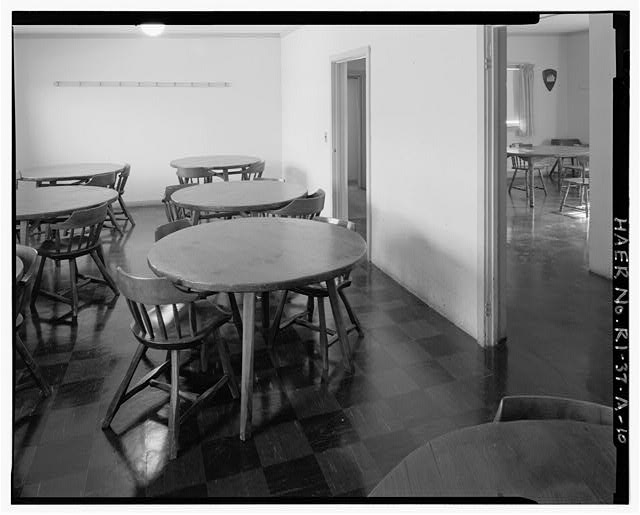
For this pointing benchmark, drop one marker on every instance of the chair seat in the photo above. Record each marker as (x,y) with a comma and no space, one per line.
(208,315)
(579,181)
(318,290)
(49,248)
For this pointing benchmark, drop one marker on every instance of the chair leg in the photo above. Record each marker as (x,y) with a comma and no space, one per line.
(586,204)
(513,178)
(544,187)
(105,272)
(112,217)
(310,308)
(324,344)
(564,198)
(32,366)
(223,352)
(125,210)
(276,321)
(36,286)
(174,401)
(122,389)
(73,272)
(352,315)
(264,302)
(235,314)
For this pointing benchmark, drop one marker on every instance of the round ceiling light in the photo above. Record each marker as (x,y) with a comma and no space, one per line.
(152,29)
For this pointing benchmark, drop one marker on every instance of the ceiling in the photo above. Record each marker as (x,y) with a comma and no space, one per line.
(553,24)
(170,30)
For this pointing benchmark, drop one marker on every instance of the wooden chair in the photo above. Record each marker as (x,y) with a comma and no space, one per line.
(107,180)
(565,142)
(29,257)
(319,292)
(537,407)
(77,236)
(194,175)
(183,223)
(519,164)
(253,172)
(173,211)
(170,320)
(123,213)
(581,183)
(308,207)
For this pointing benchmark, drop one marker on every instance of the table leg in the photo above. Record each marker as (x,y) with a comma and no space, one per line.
(24,232)
(343,336)
(560,174)
(246,386)
(225,174)
(530,183)
(195,217)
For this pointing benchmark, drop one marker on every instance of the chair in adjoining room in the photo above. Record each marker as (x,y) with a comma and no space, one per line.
(183,223)
(107,180)
(540,407)
(171,209)
(171,320)
(319,291)
(565,142)
(123,214)
(519,164)
(77,236)
(581,183)
(253,172)
(194,175)
(29,257)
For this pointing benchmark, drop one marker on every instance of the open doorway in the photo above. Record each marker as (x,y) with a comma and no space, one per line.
(350,138)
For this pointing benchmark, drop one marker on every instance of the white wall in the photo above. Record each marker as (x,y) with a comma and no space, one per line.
(147,127)
(424,149)
(601,73)
(562,112)
(578,85)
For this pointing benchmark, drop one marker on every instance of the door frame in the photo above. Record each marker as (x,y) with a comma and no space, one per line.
(492,202)
(362,175)
(339,141)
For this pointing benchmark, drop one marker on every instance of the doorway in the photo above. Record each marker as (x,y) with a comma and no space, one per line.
(351,179)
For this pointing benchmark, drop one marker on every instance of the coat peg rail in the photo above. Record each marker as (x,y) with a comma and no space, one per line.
(138,84)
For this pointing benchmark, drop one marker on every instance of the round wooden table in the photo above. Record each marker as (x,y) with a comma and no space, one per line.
(251,255)
(236,197)
(67,172)
(44,203)
(19,268)
(547,461)
(223,163)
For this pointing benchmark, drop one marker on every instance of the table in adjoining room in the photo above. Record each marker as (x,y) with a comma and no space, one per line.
(255,255)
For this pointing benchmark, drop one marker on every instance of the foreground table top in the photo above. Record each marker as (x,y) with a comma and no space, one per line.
(238,196)
(256,254)
(215,162)
(548,151)
(35,203)
(68,171)
(547,461)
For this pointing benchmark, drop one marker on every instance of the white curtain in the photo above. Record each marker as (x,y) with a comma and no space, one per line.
(523,93)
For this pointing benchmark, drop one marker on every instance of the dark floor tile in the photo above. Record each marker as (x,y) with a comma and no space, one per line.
(329,430)
(406,353)
(312,401)
(299,376)
(69,485)
(453,398)
(394,381)
(297,478)
(281,443)
(414,408)
(353,389)
(373,418)
(67,423)
(373,359)
(228,456)
(390,449)
(107,481)
(428,373)
(48,461)
(188,492)
(440,345)
(347,468)
(84,369)
(419,328)
(185,471)
(78,393)
(251,483)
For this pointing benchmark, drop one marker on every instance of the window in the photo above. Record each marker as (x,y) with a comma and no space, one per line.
(513,120)
(520,98)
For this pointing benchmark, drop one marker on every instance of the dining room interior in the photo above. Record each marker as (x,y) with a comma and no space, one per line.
(186,197)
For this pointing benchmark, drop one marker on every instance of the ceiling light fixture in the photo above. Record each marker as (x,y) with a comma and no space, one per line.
(152,29)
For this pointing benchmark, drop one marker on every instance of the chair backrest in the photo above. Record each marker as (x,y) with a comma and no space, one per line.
(566,142)
(105,180)
(170,227)
(123,176)
(29,257)
(158,299)
(254,171)
(538,407)
(517,161)
(173,211)
(82,230)
(194,175)
(308,207)
(348,224)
